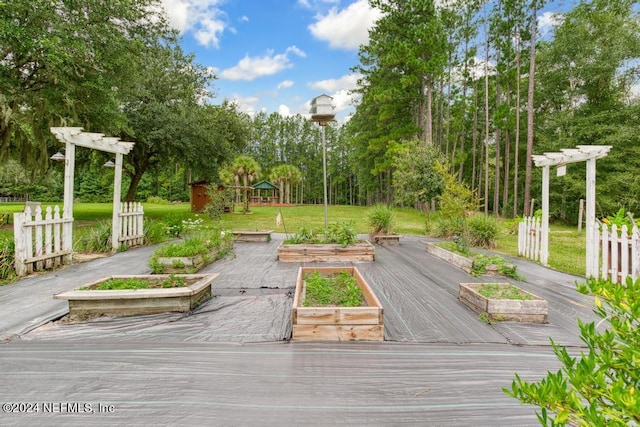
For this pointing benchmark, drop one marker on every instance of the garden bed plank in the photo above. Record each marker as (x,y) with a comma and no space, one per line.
(338,332)
(252,236)
(361,251)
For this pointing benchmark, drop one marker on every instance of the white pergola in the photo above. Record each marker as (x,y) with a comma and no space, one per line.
(582,153)
(73,136)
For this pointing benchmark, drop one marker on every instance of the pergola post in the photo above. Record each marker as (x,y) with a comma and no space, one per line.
(592,256)
(544,240)
(67,201)
(117,187)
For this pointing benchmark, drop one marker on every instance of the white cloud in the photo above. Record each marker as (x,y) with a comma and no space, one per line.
(285,84)
(250,68)
(348,82)
(346,28)
(548,21)
(203,18)
(245,104)
(285,111)
(342,100)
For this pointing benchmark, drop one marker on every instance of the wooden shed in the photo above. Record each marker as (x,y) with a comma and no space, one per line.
(199,196)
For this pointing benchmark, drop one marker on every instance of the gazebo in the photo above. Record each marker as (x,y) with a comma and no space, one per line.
(264,192)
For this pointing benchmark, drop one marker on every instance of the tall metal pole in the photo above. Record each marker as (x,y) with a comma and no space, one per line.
(324,176)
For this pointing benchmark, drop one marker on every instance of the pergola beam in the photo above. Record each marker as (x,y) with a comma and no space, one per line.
(572,155)
(96,141)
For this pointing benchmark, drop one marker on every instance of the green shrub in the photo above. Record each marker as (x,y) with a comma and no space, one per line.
(154,231)
(96,238)
(221,200)
(157,200)
(7,260)
(483,231)
(381,219)
(175,224)
(446,228)
(600,387)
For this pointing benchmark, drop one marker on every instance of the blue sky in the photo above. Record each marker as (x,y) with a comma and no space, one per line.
(276,55)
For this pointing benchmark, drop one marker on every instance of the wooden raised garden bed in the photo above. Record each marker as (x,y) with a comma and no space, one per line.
(386,239)
(252,236)
(187,264)
(451,257)
(461,261)
(337,323)
(520,310)
(316,252)
(87,302)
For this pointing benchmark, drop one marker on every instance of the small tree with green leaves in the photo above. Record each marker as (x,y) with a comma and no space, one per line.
(457,201)
(599,388)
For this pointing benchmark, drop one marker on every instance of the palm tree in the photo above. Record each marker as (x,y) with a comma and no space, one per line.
(285,175)
(293,176)
(278,174)
(246,169)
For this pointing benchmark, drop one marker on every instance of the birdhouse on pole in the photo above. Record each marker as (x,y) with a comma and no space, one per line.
(322,110)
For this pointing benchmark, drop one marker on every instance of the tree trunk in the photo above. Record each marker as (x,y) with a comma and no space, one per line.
(135,181)
(498,137)
(429,114)
(517,137)
(530,106)
(486,128)
(246,193)
(288,192)
(507,160)
(474,140)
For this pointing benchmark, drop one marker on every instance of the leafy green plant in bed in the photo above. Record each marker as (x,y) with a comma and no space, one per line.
(342,233)
(338,289)
(200,244)
(493,291)
(138,283)
(380,219)
(480,263)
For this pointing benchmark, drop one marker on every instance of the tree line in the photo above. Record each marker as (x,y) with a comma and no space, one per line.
(475,86)
(481,83)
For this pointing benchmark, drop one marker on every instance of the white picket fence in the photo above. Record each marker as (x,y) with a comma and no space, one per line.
(529,238)
(617,253)
(131,224)
(41,243)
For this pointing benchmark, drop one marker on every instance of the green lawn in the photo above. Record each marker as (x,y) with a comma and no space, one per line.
(408,221)
(567,248)
(566,245)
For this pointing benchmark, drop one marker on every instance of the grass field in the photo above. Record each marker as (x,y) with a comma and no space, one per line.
(566,244)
